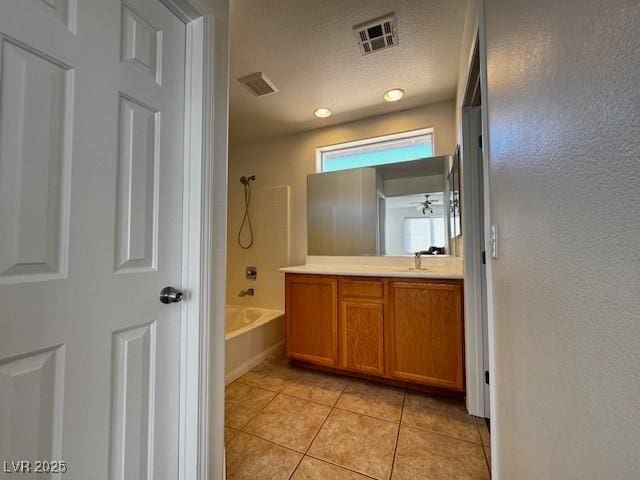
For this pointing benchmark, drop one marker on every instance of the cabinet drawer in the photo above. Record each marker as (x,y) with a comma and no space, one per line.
(361,288)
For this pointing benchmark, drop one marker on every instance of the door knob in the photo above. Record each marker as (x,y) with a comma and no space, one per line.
(170,295)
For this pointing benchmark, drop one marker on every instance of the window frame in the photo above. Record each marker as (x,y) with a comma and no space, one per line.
(373,140)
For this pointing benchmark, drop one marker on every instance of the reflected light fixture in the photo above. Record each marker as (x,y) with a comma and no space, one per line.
(393,95)
(322,112)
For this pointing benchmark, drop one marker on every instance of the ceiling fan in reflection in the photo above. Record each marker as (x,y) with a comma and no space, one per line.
(424,207)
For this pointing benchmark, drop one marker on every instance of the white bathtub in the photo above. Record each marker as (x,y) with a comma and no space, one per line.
(251,335)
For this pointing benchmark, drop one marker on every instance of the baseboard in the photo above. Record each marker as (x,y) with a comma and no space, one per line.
(253,362)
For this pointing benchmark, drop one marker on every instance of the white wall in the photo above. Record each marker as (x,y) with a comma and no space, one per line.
(287,160)
(564,151)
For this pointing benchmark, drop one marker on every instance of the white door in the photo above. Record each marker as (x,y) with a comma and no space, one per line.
(91,188)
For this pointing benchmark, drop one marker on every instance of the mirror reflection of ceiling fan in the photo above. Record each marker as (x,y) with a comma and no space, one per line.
(424,207)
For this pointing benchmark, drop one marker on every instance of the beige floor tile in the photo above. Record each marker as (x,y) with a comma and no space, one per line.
(428,456)
(314,469)
(243,402)
(359,443)
(229,433)
(316,386)
(372,399)
(485,436)
(440,415)
(251,458)
(270,375)
(289,421)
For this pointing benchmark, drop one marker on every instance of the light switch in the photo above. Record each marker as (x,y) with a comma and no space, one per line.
(494,241)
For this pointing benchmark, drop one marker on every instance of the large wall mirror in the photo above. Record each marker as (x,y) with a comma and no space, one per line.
(395,209)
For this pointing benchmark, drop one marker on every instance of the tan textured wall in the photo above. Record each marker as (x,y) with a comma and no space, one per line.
(286,161)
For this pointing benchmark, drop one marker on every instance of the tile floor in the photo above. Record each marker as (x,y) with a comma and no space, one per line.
(286,423)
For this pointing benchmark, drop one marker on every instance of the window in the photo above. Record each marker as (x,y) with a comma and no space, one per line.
(395,148)
(423,232)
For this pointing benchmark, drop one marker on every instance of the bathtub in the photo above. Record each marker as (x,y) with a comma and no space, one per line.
(251,335)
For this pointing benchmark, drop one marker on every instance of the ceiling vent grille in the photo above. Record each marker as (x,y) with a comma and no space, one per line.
(258,84)
(378,34)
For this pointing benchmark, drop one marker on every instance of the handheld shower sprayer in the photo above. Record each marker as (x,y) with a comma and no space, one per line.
(246,220)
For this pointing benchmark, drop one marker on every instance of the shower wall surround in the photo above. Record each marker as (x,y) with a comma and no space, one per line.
(269,212)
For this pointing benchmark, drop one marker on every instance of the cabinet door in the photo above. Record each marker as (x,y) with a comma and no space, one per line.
(425,334)
(312,318)
(361,337)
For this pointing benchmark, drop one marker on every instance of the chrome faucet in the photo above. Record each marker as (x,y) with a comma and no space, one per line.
(417,259)
(249,291)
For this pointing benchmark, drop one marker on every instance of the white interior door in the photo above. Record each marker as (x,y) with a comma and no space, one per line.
(91,189)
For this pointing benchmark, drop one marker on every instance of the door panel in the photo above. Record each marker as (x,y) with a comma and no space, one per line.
(36,101)
(133,399)
(31,405)
(361,337)
(137,187)
(91,189)
(62,11)
(312,318)
(425,333)
(141,44)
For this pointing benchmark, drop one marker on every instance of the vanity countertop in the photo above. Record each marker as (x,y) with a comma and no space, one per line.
(453,271)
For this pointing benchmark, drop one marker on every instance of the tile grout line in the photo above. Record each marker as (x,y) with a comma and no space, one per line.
(340,466)
(271,442)
(395,448)
(333,407)
(297,466)
(259,412)
(423,429)
(321,425)
(369,416)
(307,454)
(484,452)
(315,402)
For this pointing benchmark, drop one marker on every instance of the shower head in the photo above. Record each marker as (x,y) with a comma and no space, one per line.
(245,180)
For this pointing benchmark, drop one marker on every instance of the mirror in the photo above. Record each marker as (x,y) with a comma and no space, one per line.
(393,209)
(452,184)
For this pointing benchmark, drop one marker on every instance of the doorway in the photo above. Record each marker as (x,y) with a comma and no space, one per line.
(474,242)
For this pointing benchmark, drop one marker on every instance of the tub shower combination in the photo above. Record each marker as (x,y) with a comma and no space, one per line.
(251,334)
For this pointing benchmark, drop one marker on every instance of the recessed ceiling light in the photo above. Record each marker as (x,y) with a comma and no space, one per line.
(322,112)
(393,95)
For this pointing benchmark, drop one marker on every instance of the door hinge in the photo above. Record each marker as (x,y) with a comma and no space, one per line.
(480,142)
(486,377)
(484,257)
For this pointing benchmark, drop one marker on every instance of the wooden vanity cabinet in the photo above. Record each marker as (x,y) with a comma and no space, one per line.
(407,330)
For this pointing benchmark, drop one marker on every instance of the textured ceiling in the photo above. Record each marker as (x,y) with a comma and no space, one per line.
(308,49)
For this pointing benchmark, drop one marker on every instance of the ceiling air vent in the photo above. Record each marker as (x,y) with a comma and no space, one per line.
(378,34)
(258,84)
